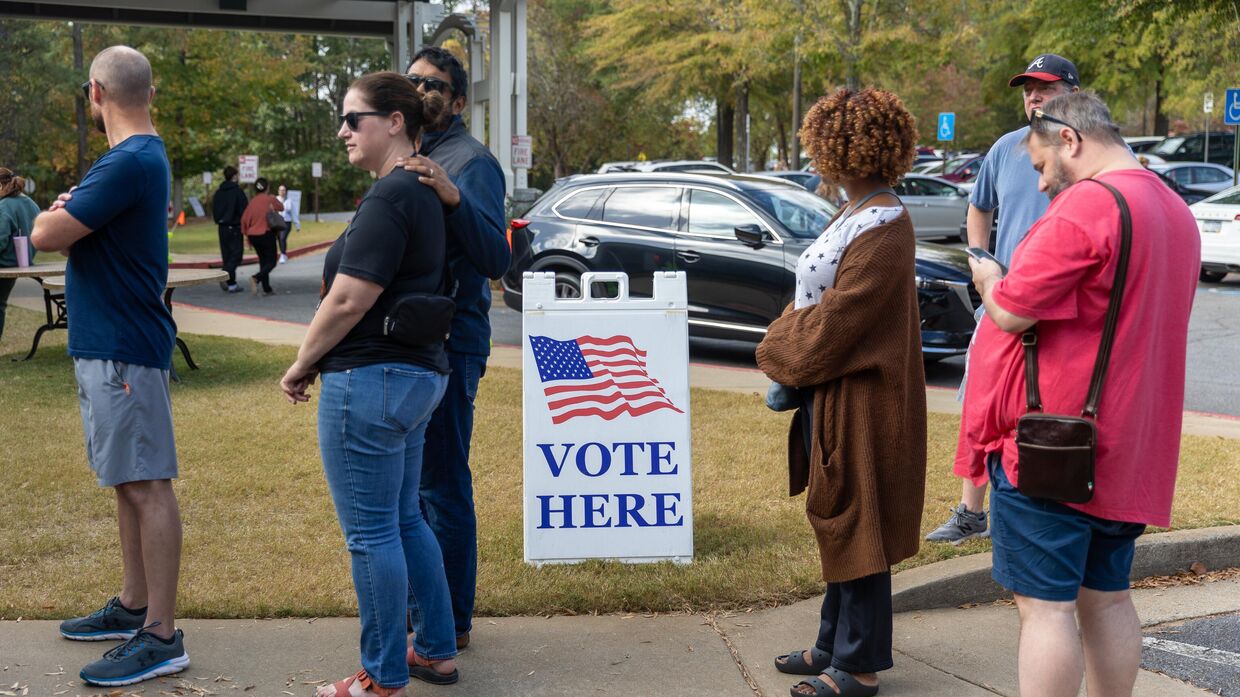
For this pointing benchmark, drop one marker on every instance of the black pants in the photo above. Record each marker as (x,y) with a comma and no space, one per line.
(231,247)
(288,227)
(265,247)
(856,624)
(6,287)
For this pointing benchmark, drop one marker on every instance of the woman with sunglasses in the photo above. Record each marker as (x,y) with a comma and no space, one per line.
(378,394)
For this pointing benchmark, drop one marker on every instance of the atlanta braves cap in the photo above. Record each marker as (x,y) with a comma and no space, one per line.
(1049,68)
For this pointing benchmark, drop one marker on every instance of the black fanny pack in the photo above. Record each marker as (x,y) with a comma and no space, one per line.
(420,319)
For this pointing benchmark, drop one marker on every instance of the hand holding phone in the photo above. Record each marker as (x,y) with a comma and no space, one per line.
(981,254)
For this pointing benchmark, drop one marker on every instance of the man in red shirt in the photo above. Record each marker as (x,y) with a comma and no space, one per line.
(1060,560)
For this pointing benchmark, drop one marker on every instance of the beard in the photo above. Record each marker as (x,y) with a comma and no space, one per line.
(1056,179)
(96,115)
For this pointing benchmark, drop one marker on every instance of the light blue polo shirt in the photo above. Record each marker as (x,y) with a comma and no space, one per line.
(1008,176)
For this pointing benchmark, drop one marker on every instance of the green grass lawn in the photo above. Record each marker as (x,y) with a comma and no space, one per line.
(261,538)
(203,237)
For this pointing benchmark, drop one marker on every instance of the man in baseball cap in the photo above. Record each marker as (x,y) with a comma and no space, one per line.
(1049,67)
(1006,180)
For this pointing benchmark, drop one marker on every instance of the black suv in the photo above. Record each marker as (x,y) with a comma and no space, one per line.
(737,239)
(1192,147)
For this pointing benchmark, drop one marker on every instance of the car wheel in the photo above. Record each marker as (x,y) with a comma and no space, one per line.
(567,284)
(1210,276)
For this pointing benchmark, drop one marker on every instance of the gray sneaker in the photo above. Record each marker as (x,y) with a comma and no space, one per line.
(143,657)
(112,621)
(962,525)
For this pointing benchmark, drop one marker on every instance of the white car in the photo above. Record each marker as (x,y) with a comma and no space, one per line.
(1218,220)
(1206,177)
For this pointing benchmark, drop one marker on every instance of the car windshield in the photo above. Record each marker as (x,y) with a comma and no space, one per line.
(1168,146)
(954,166)
(802,213)
(1228,197)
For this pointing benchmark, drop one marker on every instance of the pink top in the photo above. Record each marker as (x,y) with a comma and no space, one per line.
(1061,276)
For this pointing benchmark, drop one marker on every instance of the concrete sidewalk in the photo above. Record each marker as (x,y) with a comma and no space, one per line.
(939,653)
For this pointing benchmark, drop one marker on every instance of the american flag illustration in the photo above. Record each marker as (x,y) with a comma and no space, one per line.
(592,376)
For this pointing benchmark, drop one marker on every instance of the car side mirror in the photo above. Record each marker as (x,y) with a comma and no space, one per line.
(751,234)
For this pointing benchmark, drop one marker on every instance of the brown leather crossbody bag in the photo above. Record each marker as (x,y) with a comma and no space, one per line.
(1056,453)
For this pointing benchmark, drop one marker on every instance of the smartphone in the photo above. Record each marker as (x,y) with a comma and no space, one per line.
(980,254)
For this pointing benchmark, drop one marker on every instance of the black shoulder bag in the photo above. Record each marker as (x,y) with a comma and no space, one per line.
(1057,453)
(420,319)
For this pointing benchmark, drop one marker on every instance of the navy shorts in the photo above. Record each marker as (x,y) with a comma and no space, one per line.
(1045,550)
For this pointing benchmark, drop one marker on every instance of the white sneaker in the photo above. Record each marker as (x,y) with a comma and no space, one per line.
(283,258)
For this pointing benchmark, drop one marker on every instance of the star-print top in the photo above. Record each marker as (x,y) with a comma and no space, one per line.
(816,267)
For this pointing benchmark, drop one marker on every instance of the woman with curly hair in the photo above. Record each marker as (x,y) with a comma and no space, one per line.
(850,343)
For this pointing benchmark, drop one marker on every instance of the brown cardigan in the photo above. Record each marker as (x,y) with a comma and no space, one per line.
(860,348)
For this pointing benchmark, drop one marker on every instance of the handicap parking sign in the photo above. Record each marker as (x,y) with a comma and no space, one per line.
(1231,114)
(947,126)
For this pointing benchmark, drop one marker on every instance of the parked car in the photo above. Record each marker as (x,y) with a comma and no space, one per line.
(964,169)
(1218,220)
(1140,144)
(796,176)
(737,238)
(704,166)
(1208,178)
(937,206)
(1190,196)
(1191,148)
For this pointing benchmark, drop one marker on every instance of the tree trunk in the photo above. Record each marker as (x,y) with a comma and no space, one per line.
(178,193)
(79,103)
(742,128)
(852,47)
(795,148)
(781,144)
(723,133)
(1162,124)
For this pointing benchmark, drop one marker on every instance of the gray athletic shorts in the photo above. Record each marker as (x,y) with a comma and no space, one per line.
(127,420)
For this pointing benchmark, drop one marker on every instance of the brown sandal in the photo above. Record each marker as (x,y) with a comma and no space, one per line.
(367,683)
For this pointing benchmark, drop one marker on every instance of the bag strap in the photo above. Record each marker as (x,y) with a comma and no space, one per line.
(1030,338)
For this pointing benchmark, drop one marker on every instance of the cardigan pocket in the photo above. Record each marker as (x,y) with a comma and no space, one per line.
(825,499)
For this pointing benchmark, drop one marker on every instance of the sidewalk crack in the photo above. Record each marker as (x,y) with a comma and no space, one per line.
(961,678)
(736,655)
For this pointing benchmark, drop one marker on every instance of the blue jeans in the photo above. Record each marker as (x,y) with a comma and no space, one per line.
(372,422)
(447,486)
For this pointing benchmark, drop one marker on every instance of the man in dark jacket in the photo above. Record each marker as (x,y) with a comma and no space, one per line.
(470,183)
(227,206)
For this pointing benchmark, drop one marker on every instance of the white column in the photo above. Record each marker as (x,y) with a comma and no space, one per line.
(501,80)
(520,86)
(400,35)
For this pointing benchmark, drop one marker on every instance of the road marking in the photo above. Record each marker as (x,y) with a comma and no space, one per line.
(1223,291)
(1201,653)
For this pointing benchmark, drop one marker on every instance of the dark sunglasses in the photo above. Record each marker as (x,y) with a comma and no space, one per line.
(350,119)
(1039,114)
(433,84)
(86,88)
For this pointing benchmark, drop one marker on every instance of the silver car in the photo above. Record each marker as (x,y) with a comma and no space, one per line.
(1206,177)
(937,207)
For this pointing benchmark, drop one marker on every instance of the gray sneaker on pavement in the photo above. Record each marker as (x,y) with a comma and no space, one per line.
(962,525)
(143,657)
(112,621)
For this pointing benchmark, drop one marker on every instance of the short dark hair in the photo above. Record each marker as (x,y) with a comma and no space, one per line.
(260,183)
(229,173)
(443,59)
(391,92)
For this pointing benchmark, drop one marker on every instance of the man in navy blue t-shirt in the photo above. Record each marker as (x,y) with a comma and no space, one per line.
(113,228)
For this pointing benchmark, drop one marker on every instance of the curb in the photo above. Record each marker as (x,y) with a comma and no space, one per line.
(251,259)
(962,580)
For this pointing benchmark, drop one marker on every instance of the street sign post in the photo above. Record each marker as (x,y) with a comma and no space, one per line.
(947,126)
(946,131)
(1207,105)
(247,167)
(316,171)
(522,152)
(1231,117)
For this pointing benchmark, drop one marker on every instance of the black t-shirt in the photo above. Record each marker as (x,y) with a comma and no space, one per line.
(396,239)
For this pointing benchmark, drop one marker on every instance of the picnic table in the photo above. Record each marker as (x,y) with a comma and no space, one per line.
(177,278)
(53,303)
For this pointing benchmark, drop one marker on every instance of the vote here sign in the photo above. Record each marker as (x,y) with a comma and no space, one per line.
(607,449)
